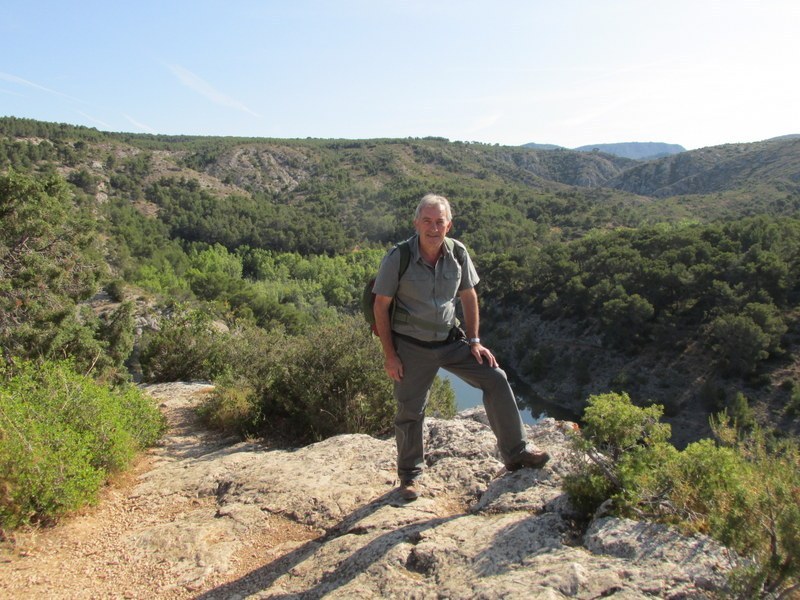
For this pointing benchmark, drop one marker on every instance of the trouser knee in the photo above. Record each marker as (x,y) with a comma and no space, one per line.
(495,382)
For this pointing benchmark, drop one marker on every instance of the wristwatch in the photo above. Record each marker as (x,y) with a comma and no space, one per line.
(474,341)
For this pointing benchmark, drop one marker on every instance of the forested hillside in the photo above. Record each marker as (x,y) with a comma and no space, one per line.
(613,291)
(674,279)
(768,168)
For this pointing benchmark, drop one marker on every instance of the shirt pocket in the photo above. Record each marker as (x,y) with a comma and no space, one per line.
(450,281)
(415,286)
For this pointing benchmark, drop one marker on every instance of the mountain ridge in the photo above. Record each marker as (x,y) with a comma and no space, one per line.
(715,169)
(633,150)
(280,165)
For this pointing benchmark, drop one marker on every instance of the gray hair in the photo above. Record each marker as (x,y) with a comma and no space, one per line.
(434,200)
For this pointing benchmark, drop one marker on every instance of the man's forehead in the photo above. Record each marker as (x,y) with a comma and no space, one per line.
(433,212)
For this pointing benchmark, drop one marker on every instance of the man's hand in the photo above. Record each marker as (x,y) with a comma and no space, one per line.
(394,368)
(469,303)
(479,351)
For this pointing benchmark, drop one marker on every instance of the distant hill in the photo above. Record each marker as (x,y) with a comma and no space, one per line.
(565,166)
(534,146)
(635,150)
(632,150)
(294,171)
(765,170)
(790,136)
(774,163)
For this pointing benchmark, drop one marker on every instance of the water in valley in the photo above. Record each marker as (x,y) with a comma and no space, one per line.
(531,408)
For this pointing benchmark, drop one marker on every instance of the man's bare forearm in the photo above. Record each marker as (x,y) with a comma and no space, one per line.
(383,324)
(469,304)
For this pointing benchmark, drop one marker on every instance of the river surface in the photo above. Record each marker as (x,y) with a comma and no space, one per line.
(469,397)
(532,406)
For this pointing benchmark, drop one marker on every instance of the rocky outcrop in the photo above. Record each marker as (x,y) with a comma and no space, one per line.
(272,168)
(476,532)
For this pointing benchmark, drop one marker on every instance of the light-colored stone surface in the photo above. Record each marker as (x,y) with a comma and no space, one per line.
(210,518)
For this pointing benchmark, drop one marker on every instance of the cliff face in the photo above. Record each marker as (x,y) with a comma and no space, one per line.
(209,518)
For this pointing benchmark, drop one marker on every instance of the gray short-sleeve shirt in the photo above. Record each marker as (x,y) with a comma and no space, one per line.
(427,293)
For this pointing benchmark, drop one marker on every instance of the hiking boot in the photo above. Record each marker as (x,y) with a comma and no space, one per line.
(408,491)
(533,459)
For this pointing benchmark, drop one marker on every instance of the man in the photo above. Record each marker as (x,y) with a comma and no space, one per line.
(421,336)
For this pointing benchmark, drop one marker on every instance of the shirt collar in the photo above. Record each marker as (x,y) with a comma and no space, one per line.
(413,243)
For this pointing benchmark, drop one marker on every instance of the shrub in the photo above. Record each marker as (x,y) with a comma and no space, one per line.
(61,435)
(326,382)
(743,489)
(626,449)
(49,263)
(187,347)
(331,381)
(232,407)
(793,406)
(739,342)
(742,413)
(755,506)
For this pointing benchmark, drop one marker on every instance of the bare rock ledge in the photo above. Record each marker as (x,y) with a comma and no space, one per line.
(476,532)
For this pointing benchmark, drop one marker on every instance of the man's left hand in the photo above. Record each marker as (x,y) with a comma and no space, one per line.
(479,351)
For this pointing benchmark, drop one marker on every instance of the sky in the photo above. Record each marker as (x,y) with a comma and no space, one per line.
(568,72)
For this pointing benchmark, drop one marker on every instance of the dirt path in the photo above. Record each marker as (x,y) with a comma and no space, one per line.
(99,553)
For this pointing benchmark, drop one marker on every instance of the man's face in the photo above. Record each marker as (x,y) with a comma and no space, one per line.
(432,225)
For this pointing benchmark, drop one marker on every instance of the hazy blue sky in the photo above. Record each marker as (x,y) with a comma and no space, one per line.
(567,72)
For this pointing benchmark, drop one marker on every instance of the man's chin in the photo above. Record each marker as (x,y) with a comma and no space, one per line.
(435,240)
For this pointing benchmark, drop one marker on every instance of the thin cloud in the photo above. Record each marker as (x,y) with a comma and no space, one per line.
(93,120)
(202,87)
(24,82)
(142,126)
(10,93)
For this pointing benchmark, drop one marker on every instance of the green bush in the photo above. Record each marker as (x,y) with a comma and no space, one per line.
(331,381)
(626,447)
(326,382)
(49,263)
(739,342)
(187,347)
(61,435)
(793,406)
(232,407)
(743,489)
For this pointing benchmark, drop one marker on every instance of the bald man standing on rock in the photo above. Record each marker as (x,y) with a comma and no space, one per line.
(420,333)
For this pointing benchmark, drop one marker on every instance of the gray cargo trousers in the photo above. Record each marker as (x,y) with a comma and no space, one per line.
(420,366)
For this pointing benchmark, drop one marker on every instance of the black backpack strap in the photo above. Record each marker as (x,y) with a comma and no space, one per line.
(459,251)
(405,258)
